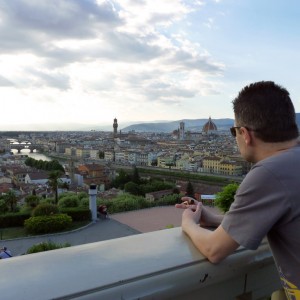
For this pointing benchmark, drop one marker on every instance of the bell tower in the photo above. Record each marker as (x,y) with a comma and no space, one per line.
(181,131)
(115,126)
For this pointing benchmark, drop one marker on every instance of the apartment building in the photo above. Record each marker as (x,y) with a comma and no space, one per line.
(82,152)
(211,164)
(94,173)
(231,168)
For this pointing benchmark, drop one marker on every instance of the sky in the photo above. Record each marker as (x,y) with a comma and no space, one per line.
(74,64)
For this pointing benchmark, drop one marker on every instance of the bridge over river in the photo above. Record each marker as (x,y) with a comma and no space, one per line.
(24,145)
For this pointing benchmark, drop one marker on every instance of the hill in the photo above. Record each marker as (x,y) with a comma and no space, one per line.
(190,124)
(165,126)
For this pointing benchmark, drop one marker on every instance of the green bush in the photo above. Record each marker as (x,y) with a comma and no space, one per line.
(77,213)
(124,202)
(46,246)
(48,201)
(68,201)
(226,196)
(3,206)
(167,200)
(66,194)
(82,195)
(32,201)
(13,219)
(45,209)
(84,202)
(47,224)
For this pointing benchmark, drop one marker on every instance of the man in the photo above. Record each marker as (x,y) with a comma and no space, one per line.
(267,203)
(5,253)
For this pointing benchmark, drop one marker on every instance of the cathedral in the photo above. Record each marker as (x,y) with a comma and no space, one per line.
(208,128)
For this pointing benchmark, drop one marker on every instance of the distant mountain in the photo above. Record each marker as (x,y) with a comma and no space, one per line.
(190,124)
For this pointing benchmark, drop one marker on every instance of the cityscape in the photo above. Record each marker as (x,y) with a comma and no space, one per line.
(93,157)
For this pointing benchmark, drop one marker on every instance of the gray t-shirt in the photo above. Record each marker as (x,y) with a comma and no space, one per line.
(267,203)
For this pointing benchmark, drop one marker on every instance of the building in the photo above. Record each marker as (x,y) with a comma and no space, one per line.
(209,127)
(94,173)
(115,127)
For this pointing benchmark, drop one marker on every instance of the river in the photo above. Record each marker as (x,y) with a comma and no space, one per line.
(35,155)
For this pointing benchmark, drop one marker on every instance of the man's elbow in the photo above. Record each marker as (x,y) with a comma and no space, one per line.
(214,256)
(215,259)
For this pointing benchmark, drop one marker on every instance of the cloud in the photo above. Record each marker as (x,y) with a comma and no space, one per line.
(48,79)
(112,51)
(5,82)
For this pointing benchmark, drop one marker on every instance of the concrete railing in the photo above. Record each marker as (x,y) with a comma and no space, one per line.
(156,265)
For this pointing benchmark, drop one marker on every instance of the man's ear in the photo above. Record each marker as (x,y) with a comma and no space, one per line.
(246,136)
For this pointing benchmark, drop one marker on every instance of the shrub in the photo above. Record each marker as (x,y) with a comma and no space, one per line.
(68,201)
(47,224)
(46,246)
(48,200)
(82,195)
(45,209)
(134,188)
(84,202)
(167,200)
(13,219)
(3,207)
(32,201)
(77,214)
(125,202)
(226,196)
(66,194)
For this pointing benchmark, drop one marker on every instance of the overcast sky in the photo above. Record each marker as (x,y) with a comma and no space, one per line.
(68,63)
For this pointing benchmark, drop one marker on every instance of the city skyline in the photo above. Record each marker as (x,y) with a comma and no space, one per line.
(69,64)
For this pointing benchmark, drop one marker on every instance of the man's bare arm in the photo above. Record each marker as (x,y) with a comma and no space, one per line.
(215,245)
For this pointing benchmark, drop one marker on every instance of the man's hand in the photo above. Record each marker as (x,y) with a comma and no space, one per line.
(207,217)
(187,202)
(191,216)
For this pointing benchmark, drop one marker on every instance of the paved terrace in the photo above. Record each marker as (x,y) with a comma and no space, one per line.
(119,225)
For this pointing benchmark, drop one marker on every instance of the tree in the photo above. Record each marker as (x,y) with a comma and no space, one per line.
(101,154)
(136,177)
(10,199)
(3,206)
(133,188)
(32,200)
(53,181)
(121,179)
(190,190)
(226,196)
(169,164)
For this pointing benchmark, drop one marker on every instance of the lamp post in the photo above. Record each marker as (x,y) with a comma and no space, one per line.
(92,201)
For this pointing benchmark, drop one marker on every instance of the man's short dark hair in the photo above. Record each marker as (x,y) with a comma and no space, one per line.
(266,108)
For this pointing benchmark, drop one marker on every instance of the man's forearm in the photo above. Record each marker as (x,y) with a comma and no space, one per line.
(214,245)
(209,218)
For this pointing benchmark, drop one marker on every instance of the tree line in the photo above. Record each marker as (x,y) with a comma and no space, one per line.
(52,165)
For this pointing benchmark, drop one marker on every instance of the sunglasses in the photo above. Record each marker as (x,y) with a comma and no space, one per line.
(233,129)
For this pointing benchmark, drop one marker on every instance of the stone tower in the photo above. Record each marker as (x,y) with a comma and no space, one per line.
(115,126)
(181,131)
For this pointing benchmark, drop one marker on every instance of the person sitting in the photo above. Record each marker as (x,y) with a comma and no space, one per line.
(102,210)
(5,253)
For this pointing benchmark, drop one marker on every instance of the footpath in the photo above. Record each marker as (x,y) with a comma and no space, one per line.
(119,225)
(94,232)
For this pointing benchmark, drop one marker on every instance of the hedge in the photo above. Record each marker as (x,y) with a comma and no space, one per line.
(77,213)
(47,224)
(13,219)
(46,246)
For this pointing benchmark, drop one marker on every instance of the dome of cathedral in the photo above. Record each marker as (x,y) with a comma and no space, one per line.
(209,126)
